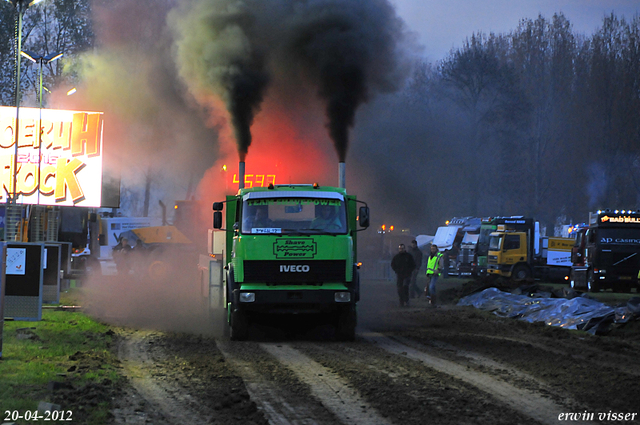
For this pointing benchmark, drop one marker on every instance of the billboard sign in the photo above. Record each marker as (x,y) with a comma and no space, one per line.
(60,166)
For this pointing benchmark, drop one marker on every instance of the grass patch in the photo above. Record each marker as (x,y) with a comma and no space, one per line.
(65,350)
(612,298)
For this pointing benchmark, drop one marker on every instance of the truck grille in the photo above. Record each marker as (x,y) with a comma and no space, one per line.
(292,272)
(492,259)
(465,256)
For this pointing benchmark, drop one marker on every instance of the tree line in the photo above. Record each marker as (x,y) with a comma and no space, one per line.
(539,121)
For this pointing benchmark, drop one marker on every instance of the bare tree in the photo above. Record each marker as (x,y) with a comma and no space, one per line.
(543,52)
(484,84)
(55,26)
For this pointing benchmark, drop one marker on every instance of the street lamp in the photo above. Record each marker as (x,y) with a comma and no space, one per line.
(41,61)
(21,6)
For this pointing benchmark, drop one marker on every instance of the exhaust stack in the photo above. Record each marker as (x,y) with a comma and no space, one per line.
(241,175)
(342,183)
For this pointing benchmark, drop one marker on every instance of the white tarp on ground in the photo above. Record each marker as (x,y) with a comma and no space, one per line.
(578,313)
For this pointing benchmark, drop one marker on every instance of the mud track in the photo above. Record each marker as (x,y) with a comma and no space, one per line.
(415,365)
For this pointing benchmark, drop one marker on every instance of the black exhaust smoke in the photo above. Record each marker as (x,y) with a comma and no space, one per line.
(218,54)
(348,49)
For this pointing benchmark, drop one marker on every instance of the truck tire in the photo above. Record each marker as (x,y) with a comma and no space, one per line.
(592,285)
(230,286)
(157,269)
(623,287)
(520,272)
(356,284)
(239,329)
(91,265)
(346,324)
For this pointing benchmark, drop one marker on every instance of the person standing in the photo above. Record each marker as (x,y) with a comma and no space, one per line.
(121,256)
(403,265)
(434,266)
(327,219)
(414,291)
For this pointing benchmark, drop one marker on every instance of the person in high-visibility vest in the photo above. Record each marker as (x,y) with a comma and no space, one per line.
(434,267)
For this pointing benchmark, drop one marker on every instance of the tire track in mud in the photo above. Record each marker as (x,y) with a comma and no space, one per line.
(584,355)
(498,369)
(529,403)
(346,403)
(139,367)
(410,392)
(277,404)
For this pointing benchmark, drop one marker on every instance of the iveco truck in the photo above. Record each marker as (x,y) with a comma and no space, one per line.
(291,249)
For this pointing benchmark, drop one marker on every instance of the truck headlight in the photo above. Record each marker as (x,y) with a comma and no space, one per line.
(247,297)
(342,297)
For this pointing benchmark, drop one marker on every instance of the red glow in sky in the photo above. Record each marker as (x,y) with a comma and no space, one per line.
(284,150)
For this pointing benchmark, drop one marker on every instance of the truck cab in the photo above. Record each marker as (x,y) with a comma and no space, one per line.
(508,255)
(489,226)
(606,255)
(292,249)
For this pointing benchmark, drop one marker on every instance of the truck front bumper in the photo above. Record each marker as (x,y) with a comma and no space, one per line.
(502,270)
(293,300)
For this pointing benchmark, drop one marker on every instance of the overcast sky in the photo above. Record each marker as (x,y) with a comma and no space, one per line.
(443,24)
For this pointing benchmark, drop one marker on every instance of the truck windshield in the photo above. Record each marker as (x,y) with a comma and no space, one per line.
(495,243)
(613,236)
(294,216)
(483,239)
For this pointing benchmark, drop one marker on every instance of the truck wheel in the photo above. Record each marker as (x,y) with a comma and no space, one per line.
(520,273)
(230,286)
(623,287)
(239,329)
(356,286)
(92,265)
(346,326)
(157,269)
(592,285)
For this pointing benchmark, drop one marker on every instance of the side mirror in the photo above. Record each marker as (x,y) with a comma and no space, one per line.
(217,206)
(217,220)
(363,217)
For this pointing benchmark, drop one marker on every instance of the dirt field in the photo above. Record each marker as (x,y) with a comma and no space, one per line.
(415,365)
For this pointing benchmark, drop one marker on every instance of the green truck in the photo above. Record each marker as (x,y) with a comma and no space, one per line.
(291,249)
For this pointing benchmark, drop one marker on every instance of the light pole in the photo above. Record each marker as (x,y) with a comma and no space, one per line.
(41,61)
(21,6)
